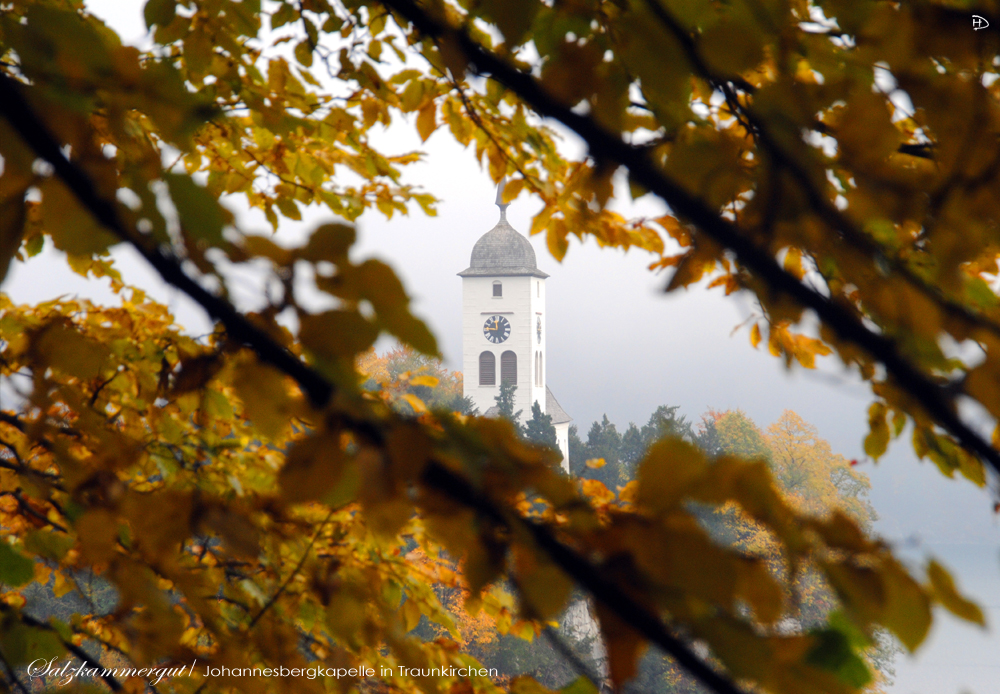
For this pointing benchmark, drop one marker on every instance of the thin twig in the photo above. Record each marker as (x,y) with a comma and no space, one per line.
(934,398)
(295,571)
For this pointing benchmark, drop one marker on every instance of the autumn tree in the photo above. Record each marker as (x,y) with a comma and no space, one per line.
(413,381)
(245,496)
(736,434)
(807,470)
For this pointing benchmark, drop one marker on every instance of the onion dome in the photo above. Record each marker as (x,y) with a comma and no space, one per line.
(502,251)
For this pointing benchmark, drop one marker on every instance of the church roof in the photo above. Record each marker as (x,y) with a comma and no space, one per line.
(502,252)
(552,407)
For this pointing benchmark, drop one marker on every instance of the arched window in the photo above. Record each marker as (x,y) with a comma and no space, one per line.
(541,369)
(497,289)
(508,367)
(538,288)
(536,368)
(487,369)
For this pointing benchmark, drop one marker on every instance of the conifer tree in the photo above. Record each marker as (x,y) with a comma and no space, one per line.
(540,428)
(505,403)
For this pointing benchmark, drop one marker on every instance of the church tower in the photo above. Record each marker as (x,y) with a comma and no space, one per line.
(504,326)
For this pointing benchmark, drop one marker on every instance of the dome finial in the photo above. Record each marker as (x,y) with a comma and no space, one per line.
(500,203)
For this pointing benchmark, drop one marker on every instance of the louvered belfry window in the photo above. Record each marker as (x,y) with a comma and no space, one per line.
(487,369)
(497,289)
(508,367)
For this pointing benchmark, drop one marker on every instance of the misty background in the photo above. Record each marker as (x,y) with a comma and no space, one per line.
(618,345)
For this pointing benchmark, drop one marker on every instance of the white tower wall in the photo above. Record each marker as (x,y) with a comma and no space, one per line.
(522,303)
(562,440)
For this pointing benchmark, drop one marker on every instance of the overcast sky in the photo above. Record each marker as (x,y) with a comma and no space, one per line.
(618,345)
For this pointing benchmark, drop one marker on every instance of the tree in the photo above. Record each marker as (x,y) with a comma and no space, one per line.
(539,428)
(807,469)
(505,404)
(633,446)
(635,442)
(737,434)
(605,443)
(404,373)
(577,451)
(707,436)
(779,135)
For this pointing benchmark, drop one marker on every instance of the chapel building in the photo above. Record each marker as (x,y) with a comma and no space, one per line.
(504,326)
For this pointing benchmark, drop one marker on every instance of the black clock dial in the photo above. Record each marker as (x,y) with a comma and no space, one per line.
(496,329)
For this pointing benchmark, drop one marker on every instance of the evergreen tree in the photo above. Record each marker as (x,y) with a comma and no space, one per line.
(604,441)
(539,428)
(708,436)
(633,446)
(635,442)
(505,404)
(665,422)
(577,452)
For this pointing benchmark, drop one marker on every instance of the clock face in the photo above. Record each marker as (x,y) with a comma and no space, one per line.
(496,329)
(538,328)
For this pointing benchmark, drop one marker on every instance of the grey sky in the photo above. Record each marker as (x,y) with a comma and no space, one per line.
(618,345)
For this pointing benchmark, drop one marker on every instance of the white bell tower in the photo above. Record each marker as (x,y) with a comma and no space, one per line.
(504,326)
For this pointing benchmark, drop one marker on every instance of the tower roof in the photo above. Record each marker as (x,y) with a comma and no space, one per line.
(553,408)
(502,251)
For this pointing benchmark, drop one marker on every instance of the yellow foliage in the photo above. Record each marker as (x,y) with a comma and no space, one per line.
(254,497)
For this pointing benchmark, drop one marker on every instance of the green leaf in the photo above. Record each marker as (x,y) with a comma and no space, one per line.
(513,17)
(832,652)
(289,208)
(329,242)
(304,53)
(61,347)
(581,685)
(944,590)
(22,644)
(265,397)
(49,544)
(907,609)
(335,334)
(731,47)
(13,212)
(283,15)
(72,228)
(544,587)
(15,569)
(201,214)
(666,473)
(159,12)
(312,468)
(877,439)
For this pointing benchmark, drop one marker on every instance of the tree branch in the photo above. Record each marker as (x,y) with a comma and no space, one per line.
(20,115)
(603,145)
(293,574)
(29,126)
